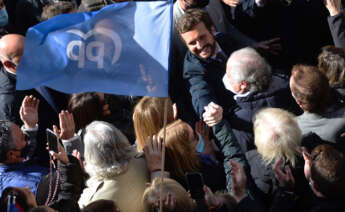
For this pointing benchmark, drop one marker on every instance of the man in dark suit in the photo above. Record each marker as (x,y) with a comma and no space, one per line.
(204,64)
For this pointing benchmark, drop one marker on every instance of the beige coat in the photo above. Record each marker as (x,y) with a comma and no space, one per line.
(125,189)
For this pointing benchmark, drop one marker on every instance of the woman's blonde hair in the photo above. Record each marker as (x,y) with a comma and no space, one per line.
(277,135)
(152,194)
(180,156)
(148,118)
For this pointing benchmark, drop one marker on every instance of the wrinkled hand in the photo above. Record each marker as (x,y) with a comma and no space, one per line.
(211,200)
(272,46)
(213,114)
(239,180)
(61,155)
(286,179)
(333,6)
(67,126)
(153,153)
(231,3)
(29,111)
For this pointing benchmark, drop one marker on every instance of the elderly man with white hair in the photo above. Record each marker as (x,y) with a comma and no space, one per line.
(249,77)
(117,171)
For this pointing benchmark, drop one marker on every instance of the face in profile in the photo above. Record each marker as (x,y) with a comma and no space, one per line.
(200,41)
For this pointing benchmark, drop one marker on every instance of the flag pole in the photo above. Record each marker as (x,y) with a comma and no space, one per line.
(163,154)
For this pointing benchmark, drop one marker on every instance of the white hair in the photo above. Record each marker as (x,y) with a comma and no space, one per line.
(247,65)
(107,150)
(277,135)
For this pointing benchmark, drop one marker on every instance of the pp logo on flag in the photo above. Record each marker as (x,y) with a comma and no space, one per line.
(93,51)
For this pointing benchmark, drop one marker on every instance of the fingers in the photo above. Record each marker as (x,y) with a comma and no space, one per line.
(277,166)
(306,156)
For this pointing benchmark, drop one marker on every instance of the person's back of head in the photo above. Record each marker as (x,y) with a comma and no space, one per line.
(107,150)
(331,62)
(148,118)
(85,107)
(276,135)
(310,88)
(57,8)
(180,156)
(328,171)
(101,205)
(248,65)
(152,193)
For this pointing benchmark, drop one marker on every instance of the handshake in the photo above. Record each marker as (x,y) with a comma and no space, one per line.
(213,114)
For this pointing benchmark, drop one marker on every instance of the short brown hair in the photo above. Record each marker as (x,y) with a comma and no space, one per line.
(191,18)
(310,87)
(328,171)
(332,64)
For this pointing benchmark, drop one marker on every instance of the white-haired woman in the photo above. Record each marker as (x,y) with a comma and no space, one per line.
(116,171)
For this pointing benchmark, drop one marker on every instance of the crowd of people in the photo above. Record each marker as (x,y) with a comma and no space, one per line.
(254,121)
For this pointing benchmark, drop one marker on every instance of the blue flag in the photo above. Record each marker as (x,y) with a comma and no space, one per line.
(121,49)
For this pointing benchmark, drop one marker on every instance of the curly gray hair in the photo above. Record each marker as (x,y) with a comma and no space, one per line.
(107,150)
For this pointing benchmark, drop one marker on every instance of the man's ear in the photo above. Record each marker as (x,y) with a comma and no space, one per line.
(243,86)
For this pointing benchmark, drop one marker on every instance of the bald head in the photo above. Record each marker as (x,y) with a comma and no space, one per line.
(11,50)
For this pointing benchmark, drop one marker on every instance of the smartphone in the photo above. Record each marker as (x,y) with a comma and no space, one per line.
(52,140)
(195,183)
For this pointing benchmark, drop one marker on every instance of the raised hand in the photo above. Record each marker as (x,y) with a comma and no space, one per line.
(29,111)
(61,155)
(286,179)
(67,126)
(239,180)
(333,6)
(153,153)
